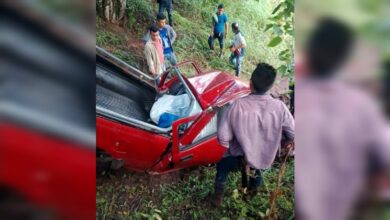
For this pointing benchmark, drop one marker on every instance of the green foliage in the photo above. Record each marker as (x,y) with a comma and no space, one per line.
(187,198)
(115,43)
(140,15)
(274,42)
(192,22)
(107,38)
(281,24)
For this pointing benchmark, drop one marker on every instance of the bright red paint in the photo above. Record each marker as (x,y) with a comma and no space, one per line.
(52,173)
(215,86)
(139,149)
(144,150)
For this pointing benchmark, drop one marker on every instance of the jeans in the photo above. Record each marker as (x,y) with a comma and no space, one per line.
(171,58)
(236,60)
(229,164)
(166,5)
(220,37)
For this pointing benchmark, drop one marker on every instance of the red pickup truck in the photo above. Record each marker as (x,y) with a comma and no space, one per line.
(125,133)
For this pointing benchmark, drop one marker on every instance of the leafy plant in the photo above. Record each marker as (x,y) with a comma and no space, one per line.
(281,25)
(104,38)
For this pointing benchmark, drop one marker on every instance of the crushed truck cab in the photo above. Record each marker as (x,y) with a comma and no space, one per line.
(125,132)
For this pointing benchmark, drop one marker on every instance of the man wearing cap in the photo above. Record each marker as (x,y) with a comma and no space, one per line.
(237,48)
(219,28)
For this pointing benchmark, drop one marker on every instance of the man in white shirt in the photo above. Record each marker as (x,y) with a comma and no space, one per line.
(237,48)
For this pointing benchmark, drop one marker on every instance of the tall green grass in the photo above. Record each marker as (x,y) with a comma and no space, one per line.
(193,25)
(192,22)
(188,198)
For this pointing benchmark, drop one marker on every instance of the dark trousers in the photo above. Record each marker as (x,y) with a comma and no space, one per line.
(229,164)
(220,37)
(168,6)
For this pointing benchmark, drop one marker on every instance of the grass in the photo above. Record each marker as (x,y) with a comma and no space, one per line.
(192,24)
(106,38)
(193,28)
(136,196)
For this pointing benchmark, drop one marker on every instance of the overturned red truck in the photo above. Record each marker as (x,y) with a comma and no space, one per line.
(125,132)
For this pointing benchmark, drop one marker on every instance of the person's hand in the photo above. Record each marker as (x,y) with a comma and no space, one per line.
(212,34)
(232,49)
(226,35)
(290,146)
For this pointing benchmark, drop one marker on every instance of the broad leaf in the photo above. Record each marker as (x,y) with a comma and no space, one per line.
(277,17)
(282,69)
(268,27)
(277,8)
(274,42)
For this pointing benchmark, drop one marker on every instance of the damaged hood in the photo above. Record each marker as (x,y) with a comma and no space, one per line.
(218,88)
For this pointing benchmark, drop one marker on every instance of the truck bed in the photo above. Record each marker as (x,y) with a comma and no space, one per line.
(118,92)
(120,104)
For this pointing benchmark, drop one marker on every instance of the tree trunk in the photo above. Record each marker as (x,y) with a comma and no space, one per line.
(113,11)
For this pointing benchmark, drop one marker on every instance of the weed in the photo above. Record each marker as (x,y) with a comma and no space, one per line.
(192,23)
(182,199)
(107,38)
